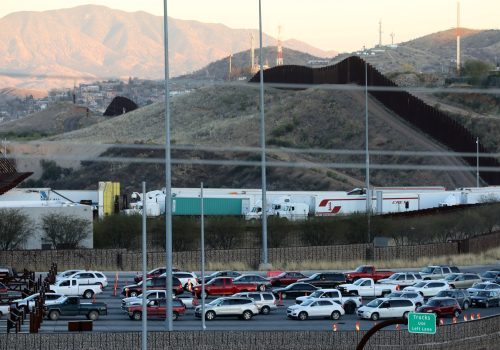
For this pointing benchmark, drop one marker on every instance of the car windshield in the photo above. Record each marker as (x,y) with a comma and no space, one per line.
(375,303)
(428,269)
(420,284)
(360,269)
(445,293)
(394,276)
(483,294)
(480,286)
(307,302)
(489,274)
(358,282)
(216,301)
(433,302)
(394,295)
(451,277)
(316,294)
(314,276)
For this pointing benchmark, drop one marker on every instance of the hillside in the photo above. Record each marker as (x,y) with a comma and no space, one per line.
(434,53)
(228,116)
(98,42)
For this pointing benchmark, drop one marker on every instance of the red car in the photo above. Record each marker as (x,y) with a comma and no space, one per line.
(367,271)
(224,286)
(286,278)
(153,273)
(3,289)
(442,307)
(157,309)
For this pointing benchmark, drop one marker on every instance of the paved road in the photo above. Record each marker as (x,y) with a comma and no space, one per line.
(118,320)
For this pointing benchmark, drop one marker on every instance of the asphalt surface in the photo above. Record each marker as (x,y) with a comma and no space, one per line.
(117,320)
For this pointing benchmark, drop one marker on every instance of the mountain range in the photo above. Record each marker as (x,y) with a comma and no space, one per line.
(99,42)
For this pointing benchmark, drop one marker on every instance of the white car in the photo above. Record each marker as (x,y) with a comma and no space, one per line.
(483,286)
(137,300)
(417,298)
(65,274)
(386,308)
(428,288)
(50,298)
(349,303)
(402,279)
(4,310)
(315,307)
(185,278)
(265,301)
(90,277)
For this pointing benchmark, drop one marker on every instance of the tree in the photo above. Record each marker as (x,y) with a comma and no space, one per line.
(65,231)
(477,70)
(118,231)
(15,229)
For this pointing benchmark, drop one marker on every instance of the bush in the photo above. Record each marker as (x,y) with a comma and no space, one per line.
(224,232)
(15,229)
(118,231)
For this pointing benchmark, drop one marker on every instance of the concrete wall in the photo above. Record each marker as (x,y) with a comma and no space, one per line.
(478,335)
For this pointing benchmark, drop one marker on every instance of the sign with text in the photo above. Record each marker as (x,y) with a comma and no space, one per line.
(419,322)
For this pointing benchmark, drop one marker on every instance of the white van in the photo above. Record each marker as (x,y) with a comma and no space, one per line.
(386,308)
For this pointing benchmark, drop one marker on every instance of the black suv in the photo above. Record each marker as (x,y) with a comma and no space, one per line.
(325,279)
(153,283)
(460,295)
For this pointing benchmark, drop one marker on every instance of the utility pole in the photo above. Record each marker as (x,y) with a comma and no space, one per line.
(144,272)
(367,156)
(477,162)
(230,66)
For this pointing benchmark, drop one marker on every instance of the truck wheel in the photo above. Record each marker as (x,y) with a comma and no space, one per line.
(175,316)
(262,287)
(210,315)
(303,316)
(349,308)
(374,316)
(265,310)
(93,315)
(247,315)
(88,294)
(405,315)
(137,315)
(133,294)
(54,315)
(335,315)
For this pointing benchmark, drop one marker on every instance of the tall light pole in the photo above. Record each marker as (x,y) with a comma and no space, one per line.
(263,148)
(168,179)
(202,212)
(477,161)
(144,273)
(367,156)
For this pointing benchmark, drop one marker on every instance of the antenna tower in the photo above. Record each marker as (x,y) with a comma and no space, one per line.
(458,38)
(279,57)
(380,33)
(392,38)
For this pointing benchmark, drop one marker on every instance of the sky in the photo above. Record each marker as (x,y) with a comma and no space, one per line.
(337,25)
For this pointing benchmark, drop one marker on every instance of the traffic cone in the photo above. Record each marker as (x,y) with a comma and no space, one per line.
(280,300)
(472,316)
(334,327)
(357,326)
(93,299)
(398,327)
(441,322)
(190,287)
(115,286)
(454,320)
(465,317)
(478,316)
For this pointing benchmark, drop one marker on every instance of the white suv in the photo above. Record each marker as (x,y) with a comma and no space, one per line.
(428,288)
(266,301)
(90,277)
(185,278)
(315,307)
(386,308)
(244,308)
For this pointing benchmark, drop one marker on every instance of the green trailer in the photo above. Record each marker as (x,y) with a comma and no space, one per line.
(212,206)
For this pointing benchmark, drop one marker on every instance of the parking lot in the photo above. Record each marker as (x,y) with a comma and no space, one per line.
(118,320)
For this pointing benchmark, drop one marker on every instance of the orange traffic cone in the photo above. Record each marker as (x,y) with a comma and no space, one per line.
(334,327)
(398,327)
(472,316)
(357,326)
(441,322)
(454,320)
(478,316)
(465,317)
(190,287)
(280,300)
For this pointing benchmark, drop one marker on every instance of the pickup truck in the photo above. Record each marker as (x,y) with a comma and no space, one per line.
(366,287)
(349,303)
(224,286)
(367,271)
(74,287)
(71,306)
